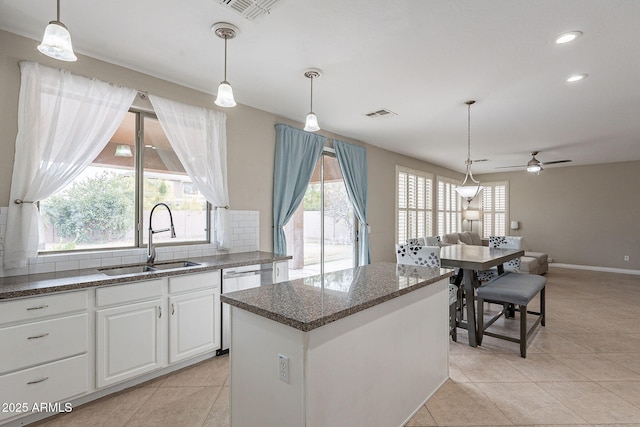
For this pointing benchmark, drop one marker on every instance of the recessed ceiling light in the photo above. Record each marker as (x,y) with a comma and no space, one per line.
(568,37)
(577,78)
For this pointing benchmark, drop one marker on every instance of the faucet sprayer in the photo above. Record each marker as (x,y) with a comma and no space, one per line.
(151,250)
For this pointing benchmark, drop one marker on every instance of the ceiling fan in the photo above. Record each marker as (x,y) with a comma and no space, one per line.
(534,165)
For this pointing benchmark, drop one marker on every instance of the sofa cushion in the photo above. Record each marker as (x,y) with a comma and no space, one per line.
(465,238)
(475,238)
(450,239)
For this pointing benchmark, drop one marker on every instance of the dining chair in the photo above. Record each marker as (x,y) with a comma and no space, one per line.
(429,256)
(505,242)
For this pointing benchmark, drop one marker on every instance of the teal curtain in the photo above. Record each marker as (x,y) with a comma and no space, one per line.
(297,153)
(352,160)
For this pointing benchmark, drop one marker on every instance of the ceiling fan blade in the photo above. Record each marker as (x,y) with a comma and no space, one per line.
(514,166)
(556,161)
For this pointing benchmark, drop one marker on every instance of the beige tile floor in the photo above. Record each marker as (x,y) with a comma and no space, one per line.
(583,368)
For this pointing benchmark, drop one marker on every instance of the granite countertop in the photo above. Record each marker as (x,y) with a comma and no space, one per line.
(309,303)
(44,283)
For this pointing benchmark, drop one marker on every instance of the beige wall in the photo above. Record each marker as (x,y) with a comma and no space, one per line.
(250,143)
(578,215)
(585,215)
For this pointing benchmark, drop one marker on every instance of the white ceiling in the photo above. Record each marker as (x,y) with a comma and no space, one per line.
(418,58)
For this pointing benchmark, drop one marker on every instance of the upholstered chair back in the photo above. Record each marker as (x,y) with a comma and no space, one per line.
(508,242)
(426,256)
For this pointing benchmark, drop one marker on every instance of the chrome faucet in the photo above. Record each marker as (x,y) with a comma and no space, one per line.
(151,250)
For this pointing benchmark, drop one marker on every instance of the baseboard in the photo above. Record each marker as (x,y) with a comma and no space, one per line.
(595,268)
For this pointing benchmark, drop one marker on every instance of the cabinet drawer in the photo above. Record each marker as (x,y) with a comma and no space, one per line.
(125,294)
(28,309)
(53,382)
(192,282)
(38,342)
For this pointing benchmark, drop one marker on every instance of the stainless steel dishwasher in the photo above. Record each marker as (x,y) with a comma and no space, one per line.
(238,279)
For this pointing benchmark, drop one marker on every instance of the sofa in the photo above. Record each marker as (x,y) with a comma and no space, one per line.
(531,262)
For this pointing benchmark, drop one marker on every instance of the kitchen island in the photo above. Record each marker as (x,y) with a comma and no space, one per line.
(364,346)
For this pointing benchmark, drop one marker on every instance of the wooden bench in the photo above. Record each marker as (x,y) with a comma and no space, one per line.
(512,289)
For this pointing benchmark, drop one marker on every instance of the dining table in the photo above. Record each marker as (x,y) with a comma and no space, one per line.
(470,259)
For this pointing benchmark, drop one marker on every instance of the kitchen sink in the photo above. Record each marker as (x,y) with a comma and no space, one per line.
(145,268)
(133,269)
(175,264)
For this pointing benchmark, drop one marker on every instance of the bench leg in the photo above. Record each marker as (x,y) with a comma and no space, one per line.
(523,331)
(542,306)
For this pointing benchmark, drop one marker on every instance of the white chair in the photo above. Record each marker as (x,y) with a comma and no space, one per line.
(429,256)
(506,242)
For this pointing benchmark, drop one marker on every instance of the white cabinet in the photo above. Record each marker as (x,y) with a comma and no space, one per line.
(193,324)
(194,315)
(144,326)
(43,350)
(128,341)
(280,271)
(129,335)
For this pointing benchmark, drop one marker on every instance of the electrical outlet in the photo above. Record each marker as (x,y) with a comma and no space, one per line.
(283,368)
(626,257)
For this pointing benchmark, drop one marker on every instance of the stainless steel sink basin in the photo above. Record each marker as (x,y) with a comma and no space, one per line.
(133,269)
(175,264)
(144,268)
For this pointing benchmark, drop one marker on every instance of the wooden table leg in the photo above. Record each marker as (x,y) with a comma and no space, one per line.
(471,307)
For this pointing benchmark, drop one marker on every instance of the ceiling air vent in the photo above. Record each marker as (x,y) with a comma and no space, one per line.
(383,112)
(250,9)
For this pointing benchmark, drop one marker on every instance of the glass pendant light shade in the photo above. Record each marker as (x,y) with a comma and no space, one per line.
(311,124)
(469,191)
(56,42)
(225,95)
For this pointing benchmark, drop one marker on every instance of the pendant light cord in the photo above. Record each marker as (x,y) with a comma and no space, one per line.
(468,135)
(225,58)
(58,10)
(311,106)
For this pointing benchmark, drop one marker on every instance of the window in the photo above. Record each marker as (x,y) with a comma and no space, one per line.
(414,204)
(494,208)
(108,205)
(449,207)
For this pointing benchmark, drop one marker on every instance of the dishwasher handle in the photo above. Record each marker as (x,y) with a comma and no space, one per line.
(233,274)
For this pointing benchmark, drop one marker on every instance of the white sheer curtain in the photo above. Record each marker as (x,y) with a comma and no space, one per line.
(199,138)
(64,121)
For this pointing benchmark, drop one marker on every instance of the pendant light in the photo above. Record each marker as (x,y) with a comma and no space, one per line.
(56,41)
(311,123)
(224,97)
(469,192)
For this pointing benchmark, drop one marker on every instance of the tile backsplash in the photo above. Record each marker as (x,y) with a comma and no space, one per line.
(245,237)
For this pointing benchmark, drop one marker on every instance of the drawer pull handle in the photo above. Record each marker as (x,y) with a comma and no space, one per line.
(37,308)
(38,381)
(38,336)
(159,312)
(173,309)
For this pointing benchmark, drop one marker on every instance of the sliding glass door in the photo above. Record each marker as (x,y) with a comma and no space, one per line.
(321,235)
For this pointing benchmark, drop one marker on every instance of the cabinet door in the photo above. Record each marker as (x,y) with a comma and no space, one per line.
(128,341)
(280,271)
(194,324)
